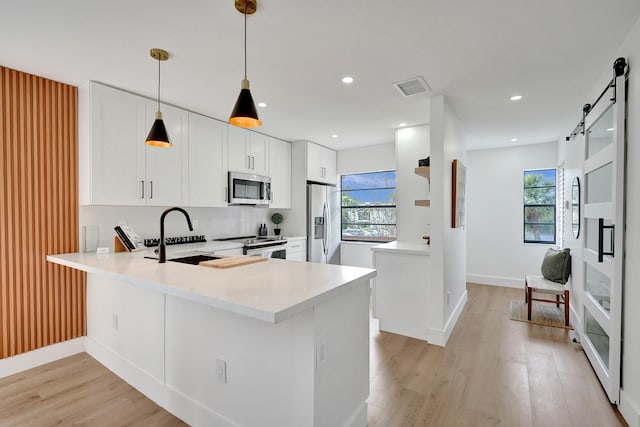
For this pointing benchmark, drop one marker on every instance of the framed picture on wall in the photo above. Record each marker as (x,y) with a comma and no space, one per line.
(458,194)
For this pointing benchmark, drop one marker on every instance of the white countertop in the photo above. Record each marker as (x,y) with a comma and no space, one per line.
(405,247)
(272,291)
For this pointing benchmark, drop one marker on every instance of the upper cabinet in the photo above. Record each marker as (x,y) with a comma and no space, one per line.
(321,164)
(124,170)
(207,161)
(280,167)
(248,151)
(167,178)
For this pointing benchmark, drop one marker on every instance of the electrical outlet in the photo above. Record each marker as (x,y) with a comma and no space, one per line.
(114,321)
(221,371)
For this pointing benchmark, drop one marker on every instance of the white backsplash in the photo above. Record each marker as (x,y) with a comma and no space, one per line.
(98,222)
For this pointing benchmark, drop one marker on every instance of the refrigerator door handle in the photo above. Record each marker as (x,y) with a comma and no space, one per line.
(324,236)
(327,230)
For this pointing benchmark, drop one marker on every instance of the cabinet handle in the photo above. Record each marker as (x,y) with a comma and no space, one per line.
(226,199)
(151,190)
(142,192)
(248,162)
(253,163)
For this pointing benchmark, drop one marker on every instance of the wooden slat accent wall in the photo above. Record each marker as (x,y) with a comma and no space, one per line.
(40,303)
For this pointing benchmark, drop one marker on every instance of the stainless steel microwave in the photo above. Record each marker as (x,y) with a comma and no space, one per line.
(249,189)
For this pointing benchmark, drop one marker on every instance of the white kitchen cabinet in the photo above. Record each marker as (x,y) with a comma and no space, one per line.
(207,161)
(321,164)
(248,151)
(297,249)
(126,171)
(167,177)
(117,146)
(280,168)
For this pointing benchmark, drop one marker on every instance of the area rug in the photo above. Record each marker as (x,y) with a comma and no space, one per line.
(545,314)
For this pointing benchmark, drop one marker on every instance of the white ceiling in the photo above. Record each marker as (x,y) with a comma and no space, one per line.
(478,53)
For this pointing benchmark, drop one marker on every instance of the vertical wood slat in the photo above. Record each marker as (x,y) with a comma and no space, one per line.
(40,303)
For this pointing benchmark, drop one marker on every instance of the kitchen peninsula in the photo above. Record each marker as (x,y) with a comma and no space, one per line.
(277,342)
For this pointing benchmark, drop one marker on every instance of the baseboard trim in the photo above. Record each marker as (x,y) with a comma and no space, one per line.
(359,417)
(629,409)
(41,356)
(441,336)
(183,407)
(507,282)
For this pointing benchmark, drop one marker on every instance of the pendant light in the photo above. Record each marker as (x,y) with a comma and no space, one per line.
(158,136)
(244,113)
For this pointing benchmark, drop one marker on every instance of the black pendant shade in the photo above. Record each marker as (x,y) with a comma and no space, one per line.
(158,136)
(244,113)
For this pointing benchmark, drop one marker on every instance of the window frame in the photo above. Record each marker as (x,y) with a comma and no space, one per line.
(540,205)
(367,239)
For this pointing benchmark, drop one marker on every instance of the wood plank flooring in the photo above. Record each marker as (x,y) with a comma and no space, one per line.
(493,372)
(76,391)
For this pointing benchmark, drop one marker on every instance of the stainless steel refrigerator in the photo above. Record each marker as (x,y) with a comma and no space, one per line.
(323,224)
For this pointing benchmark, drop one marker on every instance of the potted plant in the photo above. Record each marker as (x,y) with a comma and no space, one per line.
(277,219)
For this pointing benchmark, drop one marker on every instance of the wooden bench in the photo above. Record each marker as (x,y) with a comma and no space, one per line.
(534,283)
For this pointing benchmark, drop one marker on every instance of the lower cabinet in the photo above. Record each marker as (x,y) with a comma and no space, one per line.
(297,250)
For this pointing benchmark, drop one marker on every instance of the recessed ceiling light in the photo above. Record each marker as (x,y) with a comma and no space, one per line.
(402,124)
(516,97)
(262,104)
(347,79)
(335,135)
(514,139)
(610,130)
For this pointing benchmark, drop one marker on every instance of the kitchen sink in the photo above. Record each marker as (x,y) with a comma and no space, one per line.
(192,259)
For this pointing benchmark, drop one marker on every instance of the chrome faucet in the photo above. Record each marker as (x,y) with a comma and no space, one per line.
(162,248)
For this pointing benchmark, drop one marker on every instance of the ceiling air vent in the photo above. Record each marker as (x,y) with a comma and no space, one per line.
(413,86)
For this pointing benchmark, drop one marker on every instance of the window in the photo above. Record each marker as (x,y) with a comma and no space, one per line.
(369,206)
(540,206)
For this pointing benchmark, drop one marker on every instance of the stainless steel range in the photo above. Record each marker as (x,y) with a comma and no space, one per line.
(267,247)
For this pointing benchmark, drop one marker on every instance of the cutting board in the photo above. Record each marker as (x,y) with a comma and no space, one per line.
(232,261)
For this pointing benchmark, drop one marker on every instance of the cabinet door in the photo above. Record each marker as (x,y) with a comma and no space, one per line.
(207,161)
(329,165)
(280,167)
(314,165)
(259,153)
(117,146)
(238,153)
(167,168)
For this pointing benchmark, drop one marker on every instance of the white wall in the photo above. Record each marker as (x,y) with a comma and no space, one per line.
(372,158)
(412,144)
(496,253)
(448,245)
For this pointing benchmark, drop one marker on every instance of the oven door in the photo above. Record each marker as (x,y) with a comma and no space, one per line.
(268,252)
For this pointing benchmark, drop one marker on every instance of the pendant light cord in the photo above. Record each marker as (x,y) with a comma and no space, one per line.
(158,82)
(245,39)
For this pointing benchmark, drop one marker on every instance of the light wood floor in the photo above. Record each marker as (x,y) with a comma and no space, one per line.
(493,372)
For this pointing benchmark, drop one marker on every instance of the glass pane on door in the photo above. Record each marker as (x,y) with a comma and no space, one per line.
(597,336)
(601,133)
(600,184)
(598,286)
